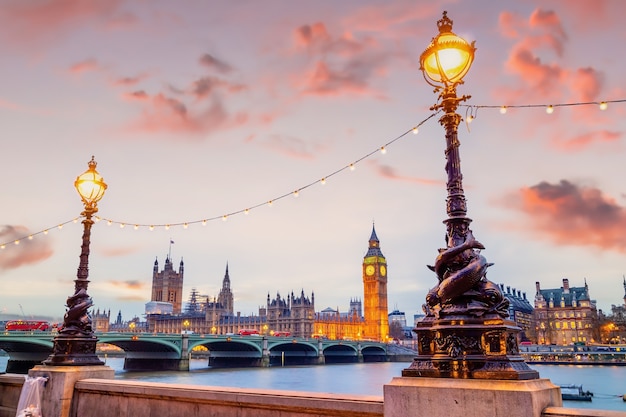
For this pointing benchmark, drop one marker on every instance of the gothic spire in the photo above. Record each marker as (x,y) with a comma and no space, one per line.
(226,281)
(374,245)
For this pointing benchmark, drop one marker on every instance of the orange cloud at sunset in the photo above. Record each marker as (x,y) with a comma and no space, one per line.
(585,140)
(339,64)
(567,213)
(45,21)
(390,173)
(84,66)
(27,252)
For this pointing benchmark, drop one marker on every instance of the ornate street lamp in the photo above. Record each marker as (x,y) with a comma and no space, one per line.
(466,332)
(75,343)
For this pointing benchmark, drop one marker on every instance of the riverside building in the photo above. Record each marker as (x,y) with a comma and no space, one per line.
(565,315)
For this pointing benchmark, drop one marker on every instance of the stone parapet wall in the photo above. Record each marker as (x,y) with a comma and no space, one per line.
(580,412)
(131,399)
(10,389)
(113,398)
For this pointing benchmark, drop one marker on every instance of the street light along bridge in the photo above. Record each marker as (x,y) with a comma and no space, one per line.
(148,351)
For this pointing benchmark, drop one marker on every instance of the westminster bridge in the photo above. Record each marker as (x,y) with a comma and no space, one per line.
(159,351)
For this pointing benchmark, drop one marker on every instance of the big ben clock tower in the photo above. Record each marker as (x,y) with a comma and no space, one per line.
(375,291)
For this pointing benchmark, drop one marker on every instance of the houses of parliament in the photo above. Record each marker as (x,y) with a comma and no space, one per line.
(294,315)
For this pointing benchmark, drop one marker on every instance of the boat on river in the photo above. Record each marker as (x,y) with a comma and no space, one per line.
(575,393)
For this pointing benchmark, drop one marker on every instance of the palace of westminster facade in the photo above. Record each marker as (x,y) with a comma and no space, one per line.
(565,315)
(294,315)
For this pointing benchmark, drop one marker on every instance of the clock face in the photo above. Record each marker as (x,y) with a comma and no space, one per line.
(369,270)
(383,270)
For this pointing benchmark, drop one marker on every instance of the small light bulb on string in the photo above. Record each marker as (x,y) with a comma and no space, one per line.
(151,228)
(185,225)
(323,181)
(224,218)
(470,118)
(98,219)
(136,227)
(30,237)
(383,150)
(503,110)
(296,193)
(45,232)
(246,211)
(75,220)
(109,223)
(2,246)
(269,203)
(550,109)
(604,105)
(167,227)
(203,222)
(415,130)
(60,226)
(122,225)
(352,167)
(17,242)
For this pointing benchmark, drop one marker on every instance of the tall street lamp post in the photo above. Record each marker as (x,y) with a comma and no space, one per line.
(75,343)
(466,332)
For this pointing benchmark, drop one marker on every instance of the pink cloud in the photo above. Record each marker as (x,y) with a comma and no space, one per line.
(548,20)
(570,214)
(586,83)
(163,113)
(44,21)
(583,141)
(84,66)
(129,284)
(197,109)
(216,64)
(511,25)
(27,252)
(339,65)
(129,81)
(388,172)
(541,73)
(9,105)
(533,72)
(206,86)
(324,81)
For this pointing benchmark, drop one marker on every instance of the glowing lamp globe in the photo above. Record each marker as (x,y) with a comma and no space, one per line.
(90,185)
(448,57)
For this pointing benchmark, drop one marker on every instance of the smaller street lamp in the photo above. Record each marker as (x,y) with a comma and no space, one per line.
(75,343)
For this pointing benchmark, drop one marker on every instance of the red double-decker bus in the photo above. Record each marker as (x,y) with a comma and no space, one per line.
(27,325)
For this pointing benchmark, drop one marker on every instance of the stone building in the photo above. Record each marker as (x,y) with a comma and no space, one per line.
(101,321)
(167,285)
(520,311)
(565,315)
(613,327)
(295,314)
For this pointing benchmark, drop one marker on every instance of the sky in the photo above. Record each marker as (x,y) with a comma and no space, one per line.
(200,110)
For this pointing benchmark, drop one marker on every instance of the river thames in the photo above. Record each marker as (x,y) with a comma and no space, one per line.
(608,383)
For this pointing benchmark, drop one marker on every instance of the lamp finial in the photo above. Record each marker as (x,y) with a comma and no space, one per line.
(444,24)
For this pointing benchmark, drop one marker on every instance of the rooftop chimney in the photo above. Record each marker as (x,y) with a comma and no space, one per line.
(565,286)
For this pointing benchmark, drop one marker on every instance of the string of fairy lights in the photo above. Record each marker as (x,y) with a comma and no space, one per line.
(471,114)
